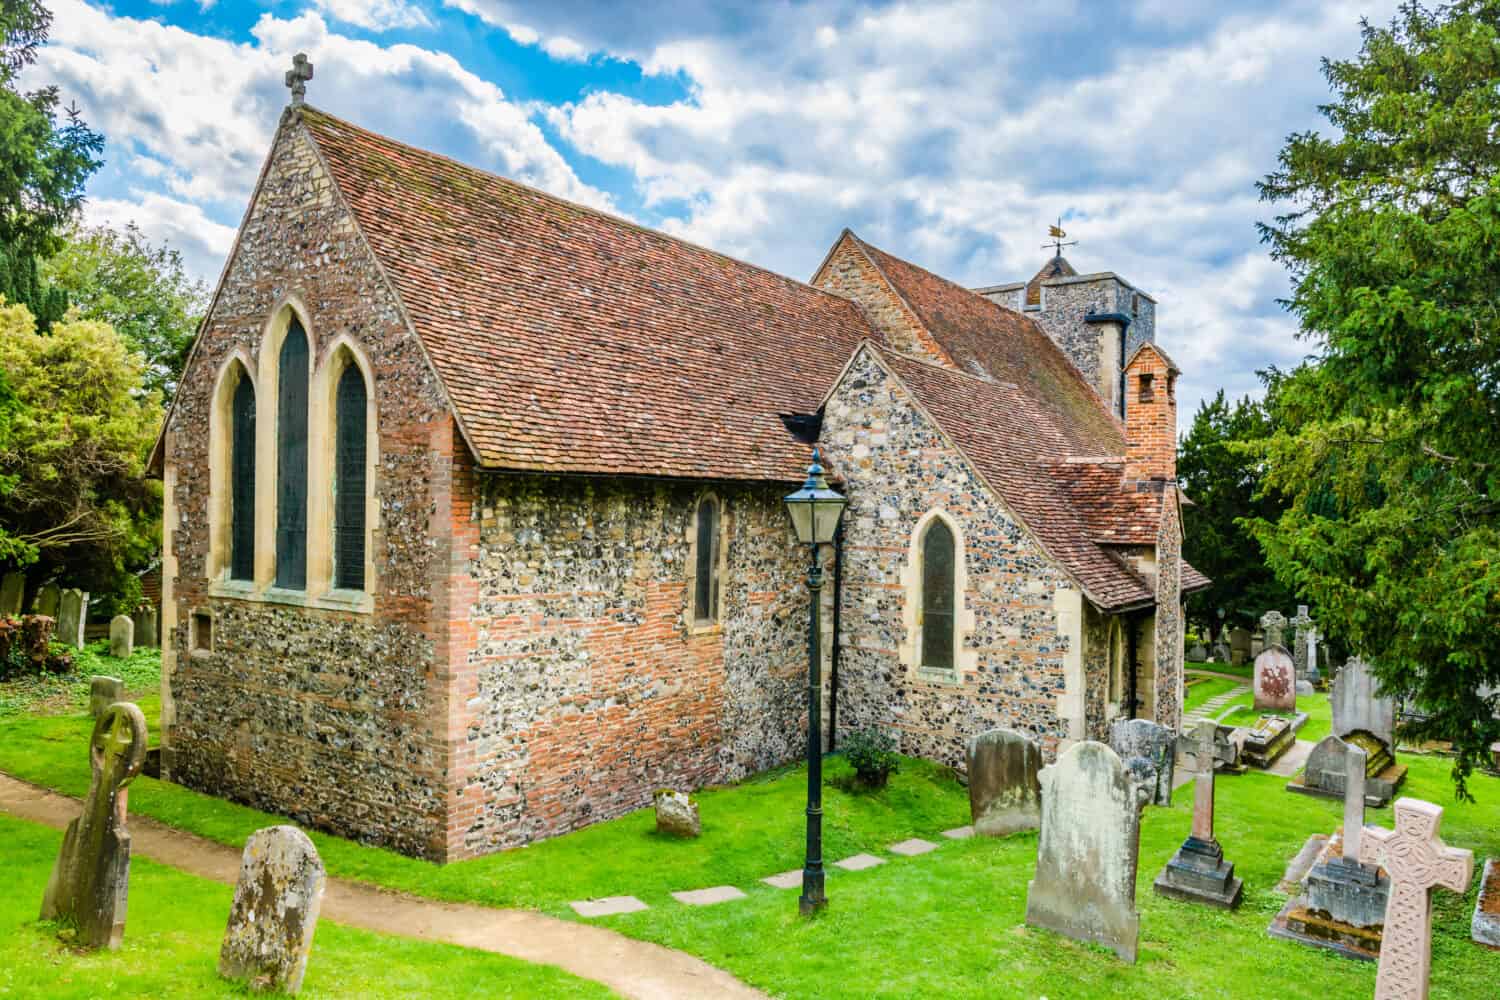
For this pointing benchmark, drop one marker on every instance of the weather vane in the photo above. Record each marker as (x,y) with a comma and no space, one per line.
(1058,236)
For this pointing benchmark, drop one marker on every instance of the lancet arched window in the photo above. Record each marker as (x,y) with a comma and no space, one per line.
(706,562)
(242,480)
(938,596)
(349,468)
(291,459)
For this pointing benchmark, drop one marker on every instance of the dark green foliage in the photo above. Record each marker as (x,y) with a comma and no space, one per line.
(1224,483)
(25,647)
(873,756)
(1386,446)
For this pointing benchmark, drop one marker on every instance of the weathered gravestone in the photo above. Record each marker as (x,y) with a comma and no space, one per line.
(1144,738)
(1198,872)
(1357,708)
(91,880)
(12,592)
(1275,681)
(1343,900)
(145,619)
(104,692)
(72,617)
(1263,743)
(275,911)
(1304,650)
(1004,791)
(1417,862)
(1239,646)
(676,814)
(121,637)
(1273,624)
(1086,857)
(1485,927)
(1222,652)
(1324,775)
(1197,653)
(46,600)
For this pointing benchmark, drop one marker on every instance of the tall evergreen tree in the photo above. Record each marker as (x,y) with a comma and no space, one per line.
(1388,445)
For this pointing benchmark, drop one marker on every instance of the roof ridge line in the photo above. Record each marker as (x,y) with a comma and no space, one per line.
(601,213)
(865,248)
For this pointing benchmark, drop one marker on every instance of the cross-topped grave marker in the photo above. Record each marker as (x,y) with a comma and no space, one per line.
(1274,623)
(1417,861)
(1198,871)
(297,77)
(91,881)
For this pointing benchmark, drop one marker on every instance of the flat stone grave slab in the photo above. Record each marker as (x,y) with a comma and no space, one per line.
(786,880)
(1486,926)
(913,847)
(859,862)
(608,906)
(1292,761)
(709,896)
(959,833)
(1301,864)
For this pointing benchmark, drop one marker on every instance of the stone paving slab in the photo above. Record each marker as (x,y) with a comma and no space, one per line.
(859,862)
(959,833)
(608,906)
(709,896)
(1292,761)
(786,880)
(911,848)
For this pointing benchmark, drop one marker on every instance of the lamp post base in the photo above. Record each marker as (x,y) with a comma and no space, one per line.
(812,899)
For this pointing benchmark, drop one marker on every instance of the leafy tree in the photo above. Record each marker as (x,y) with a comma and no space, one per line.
(143,291)
(1224,483)
(44,162)
(1388,447)
(73,446)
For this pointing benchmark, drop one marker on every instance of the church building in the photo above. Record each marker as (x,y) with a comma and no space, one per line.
(474,530)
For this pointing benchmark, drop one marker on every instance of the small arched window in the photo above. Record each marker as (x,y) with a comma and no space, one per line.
(937,596)
(242,481)
(349,480)
(1116,663)
(291,459)
(706,567)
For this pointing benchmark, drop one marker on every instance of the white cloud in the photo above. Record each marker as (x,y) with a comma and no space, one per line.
(374,15)
(203,242)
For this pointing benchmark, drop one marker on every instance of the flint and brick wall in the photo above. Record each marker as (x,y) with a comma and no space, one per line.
(896,467)
(849,272)
(331,717)
(1169,619)
(585,689)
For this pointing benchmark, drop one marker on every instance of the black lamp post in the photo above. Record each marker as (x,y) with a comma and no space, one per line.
(815,511)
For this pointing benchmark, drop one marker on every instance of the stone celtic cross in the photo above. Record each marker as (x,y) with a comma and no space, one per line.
(297,77)
(1417,862)
(91,881)
(1274,622)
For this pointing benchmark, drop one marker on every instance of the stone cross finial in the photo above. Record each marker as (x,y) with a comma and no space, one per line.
(1302,618)
(297,77)
(1417,861)
(91,881)
(1273,622)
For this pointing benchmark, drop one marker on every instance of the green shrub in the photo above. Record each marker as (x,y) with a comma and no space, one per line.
(873,756)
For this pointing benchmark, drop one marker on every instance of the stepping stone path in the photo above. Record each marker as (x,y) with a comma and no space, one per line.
(708,897)
(786,880)
(911,848)
(959,833)
(1213,707)
(608,906)
(859,862)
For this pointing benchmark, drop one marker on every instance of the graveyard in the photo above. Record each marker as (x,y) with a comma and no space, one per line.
(950,921)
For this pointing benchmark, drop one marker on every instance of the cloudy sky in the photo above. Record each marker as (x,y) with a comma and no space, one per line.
(950,133)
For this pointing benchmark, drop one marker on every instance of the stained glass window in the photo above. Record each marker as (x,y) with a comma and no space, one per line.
(706,590)
(349,482)
(937,597)
(242,481)
(291,460)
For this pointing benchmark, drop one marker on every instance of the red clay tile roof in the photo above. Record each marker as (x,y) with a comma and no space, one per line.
(573,341)
(1115,514)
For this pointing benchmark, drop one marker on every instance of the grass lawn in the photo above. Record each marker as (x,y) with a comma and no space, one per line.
(949,923)
(1245,670)
(60,692)
(172,940)
(1204,689)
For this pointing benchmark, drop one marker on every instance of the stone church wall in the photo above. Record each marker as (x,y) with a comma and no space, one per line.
(1169,619)
(333,717)
(586,690)
(897,467)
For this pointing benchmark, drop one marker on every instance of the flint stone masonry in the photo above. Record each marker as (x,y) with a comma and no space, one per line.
(121,637)
(1357,707)
(275,910)
(104,692)
(90,882)
(12,592)
(1275,681)
(72,617)
(1084,887)
(1157,744)
(1004,791)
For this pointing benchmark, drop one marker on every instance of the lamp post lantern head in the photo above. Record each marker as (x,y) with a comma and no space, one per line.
(815,509)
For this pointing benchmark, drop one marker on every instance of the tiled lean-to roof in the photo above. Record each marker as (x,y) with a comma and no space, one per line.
(573,341)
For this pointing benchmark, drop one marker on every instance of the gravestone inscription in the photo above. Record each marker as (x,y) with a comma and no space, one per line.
(1275,681)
